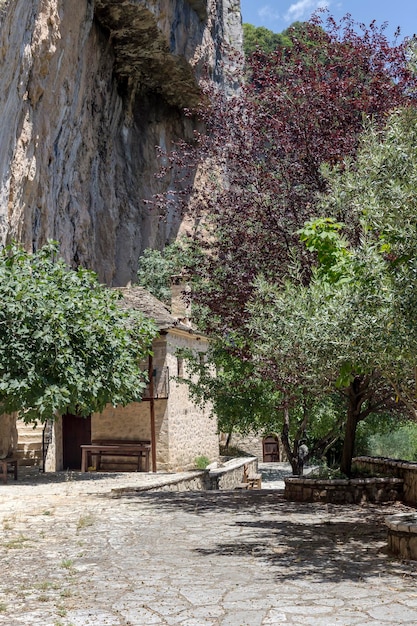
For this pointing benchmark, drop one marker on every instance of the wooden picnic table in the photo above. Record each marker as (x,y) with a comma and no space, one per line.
(139,449)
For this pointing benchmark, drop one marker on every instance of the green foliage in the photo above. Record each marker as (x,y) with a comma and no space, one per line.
(381,191)
(156,268)
(376,425)
(201,462)
(65,345)
(238,395)
(155,271)
(255,37)
(261,38)
(322,235)
(400,443)
(362,319)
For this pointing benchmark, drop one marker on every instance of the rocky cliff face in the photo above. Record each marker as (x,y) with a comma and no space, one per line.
(88,89)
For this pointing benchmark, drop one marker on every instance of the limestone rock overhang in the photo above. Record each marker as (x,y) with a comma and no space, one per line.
(148,52)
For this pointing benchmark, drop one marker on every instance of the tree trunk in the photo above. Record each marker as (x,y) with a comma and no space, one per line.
(356,394)
(292,456)
(349,442)
(8,435)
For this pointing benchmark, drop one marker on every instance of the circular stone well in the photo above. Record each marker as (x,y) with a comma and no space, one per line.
(402,535)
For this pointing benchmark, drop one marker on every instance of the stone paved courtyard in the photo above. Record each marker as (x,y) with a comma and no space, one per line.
(72,554)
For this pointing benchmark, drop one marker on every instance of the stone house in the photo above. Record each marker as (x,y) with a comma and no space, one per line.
(178,429)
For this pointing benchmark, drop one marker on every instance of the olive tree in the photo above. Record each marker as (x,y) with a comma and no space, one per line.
(352,328)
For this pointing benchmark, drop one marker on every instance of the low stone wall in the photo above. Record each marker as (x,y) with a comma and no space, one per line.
(194,481)
(230,474)
(406,470)
(343,491)
(227,476)
(402,535)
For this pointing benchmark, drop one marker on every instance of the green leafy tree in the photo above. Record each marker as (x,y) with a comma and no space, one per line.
(65,345)
(380,189)
(317,341)
(303,106)
(157,267)
(352,328)
(255,37)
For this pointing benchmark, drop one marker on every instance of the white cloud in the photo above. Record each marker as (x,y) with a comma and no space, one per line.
(268,13)
(303,9)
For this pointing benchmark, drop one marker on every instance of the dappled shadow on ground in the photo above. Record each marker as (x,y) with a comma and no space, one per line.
(201,502)
(328,551)
(295,541)
(272,472)
(32,476)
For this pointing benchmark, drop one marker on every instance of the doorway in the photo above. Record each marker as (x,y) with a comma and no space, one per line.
(271,449)
(76,431)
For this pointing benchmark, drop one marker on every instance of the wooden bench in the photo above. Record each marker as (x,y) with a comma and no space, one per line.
(4,464)
(250,481)
(97,449)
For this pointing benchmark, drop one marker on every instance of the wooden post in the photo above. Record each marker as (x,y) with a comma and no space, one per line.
(152,412)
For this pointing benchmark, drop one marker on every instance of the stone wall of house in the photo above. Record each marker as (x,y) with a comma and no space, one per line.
(192,430)
(133,422)
(29,444)
(251,444)
(183,430)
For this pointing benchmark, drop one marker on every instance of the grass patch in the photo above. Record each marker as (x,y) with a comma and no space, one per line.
(85,521)
(201,462)
(43,598)
(45,585)
(9,522)
(3,607)
(16,544)
(61,611)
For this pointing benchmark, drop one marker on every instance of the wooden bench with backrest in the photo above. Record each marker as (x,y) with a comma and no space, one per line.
(116,448)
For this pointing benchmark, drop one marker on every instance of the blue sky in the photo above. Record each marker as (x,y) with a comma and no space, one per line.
(279,14)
